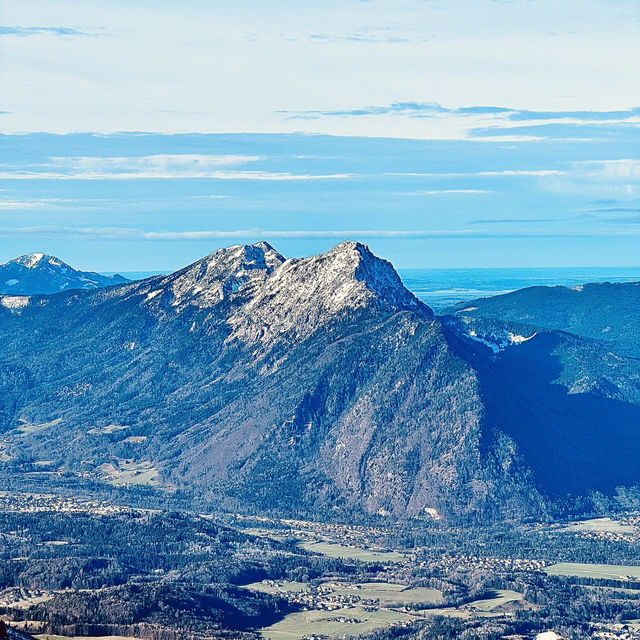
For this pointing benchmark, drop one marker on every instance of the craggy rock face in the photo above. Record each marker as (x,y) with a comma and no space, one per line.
(309,384)
(303,296)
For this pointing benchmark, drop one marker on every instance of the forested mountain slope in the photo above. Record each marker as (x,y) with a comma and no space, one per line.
(308,385)
(604,311)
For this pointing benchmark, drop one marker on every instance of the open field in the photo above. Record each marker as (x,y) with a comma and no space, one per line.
(491,604)
(110,428)
(600,524)
(388,593)
(32,427)
(356,620)
(275,534)
(606,571)
(352,621)
(125,472)
(352,553)
(284,586)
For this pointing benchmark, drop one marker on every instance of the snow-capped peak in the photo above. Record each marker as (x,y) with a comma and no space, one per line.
(40,273)
(36,260)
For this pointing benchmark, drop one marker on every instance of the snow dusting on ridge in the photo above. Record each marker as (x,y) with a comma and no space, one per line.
(304,294)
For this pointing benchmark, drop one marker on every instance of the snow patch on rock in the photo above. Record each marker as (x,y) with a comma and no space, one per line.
(518,339)
(32,260)
(152,294)
(14,302)
(498,342)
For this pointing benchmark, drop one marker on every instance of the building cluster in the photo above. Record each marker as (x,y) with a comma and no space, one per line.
(489,563)
(615,631)
(22,597)
(324,597)
(42,502)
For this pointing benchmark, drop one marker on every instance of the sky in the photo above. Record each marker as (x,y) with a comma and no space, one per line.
(142,135)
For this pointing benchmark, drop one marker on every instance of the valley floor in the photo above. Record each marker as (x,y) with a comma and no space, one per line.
(94,568)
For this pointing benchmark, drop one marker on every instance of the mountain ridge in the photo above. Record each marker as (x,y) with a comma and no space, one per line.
(313,385)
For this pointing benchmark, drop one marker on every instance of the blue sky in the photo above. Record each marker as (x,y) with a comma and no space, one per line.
(445,134)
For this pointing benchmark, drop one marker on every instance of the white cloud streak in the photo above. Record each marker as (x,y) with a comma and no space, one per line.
(441,192)
(505,172)
(161,166)
(526,172)
(11,205)
(124,233)
(147,175)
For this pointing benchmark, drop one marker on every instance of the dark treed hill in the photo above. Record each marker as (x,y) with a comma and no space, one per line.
(605,311)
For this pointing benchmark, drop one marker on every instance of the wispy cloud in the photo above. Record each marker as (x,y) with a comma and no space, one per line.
(523,172)
(118,233)
(463,174)
(123,233)
(588,116)
(368,36)
(434,109)
(415,109)
(214,175)
(162,161)
(49,203)
(623,169)
(616,214)
(619,178)
(479,123)
(36,31)
(16,204)
(513,220)
(440,192)
(162,166)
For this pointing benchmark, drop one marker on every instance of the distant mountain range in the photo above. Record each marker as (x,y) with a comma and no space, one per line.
(321,385)
(39,273)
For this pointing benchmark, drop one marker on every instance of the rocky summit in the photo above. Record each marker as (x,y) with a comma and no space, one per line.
(315,385)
